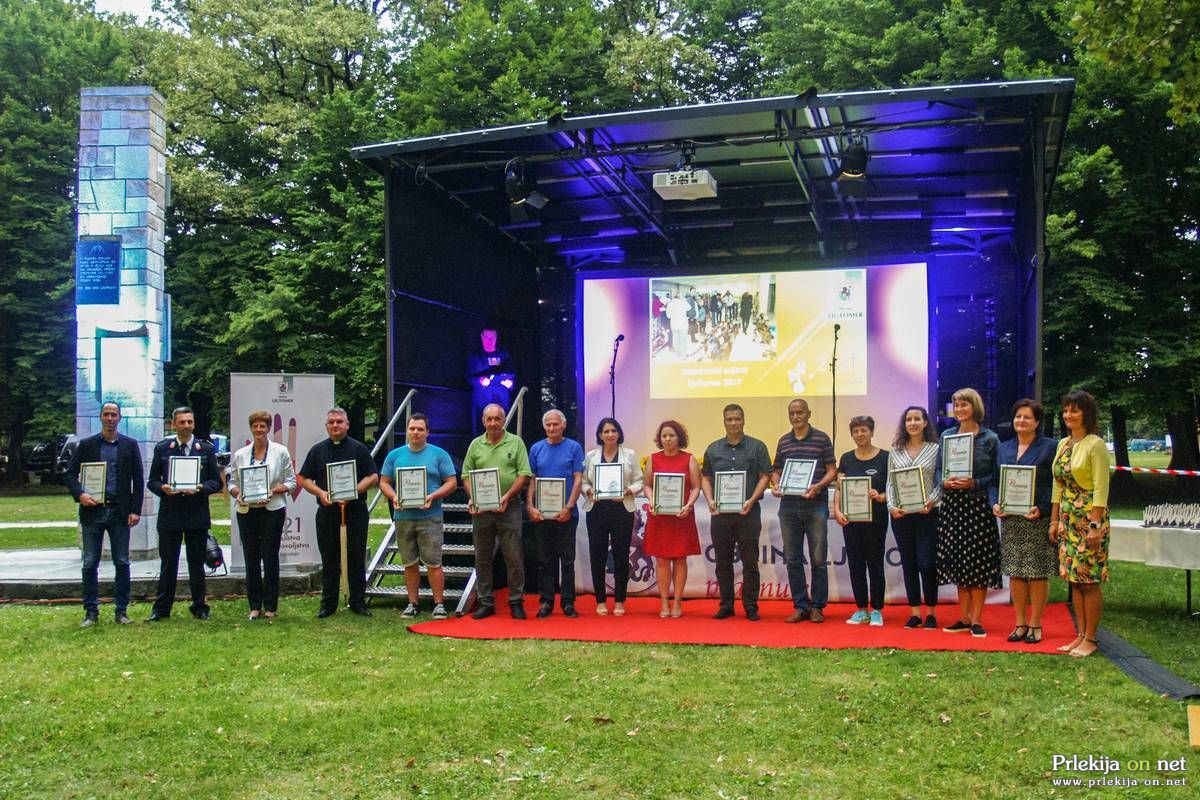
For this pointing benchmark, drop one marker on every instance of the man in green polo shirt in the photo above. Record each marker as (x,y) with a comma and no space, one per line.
(505,452)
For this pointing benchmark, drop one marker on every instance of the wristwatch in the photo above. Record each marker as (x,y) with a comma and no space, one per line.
(1093,525)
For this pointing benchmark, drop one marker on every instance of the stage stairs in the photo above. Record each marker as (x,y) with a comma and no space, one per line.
(385,576)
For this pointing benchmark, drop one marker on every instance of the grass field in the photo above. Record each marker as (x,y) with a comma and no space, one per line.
(349,707)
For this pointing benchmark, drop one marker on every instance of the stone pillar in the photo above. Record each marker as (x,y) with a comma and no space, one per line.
(121,309)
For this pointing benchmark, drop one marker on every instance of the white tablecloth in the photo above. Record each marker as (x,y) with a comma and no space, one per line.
(1155,547)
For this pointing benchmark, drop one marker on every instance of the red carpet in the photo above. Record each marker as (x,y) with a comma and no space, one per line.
(642,624)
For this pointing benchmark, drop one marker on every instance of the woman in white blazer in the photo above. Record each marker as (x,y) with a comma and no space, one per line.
(260,523)
(610,520)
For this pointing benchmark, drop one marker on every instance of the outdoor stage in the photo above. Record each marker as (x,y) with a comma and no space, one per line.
(862,250)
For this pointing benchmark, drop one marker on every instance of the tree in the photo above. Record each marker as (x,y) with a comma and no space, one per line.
(1157,39)
(51,49)
(275,251)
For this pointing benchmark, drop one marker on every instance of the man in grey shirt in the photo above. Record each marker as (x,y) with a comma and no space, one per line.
(737,453)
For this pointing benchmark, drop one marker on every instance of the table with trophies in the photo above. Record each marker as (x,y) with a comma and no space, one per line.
(1167,536)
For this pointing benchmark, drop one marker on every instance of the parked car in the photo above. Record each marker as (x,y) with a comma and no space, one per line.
(66,454)
(40,457)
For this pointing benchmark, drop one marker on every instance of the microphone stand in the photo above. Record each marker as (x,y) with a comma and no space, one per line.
(612,377)
(833,375)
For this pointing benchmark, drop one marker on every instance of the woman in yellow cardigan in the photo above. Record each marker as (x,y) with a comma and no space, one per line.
(1079,515)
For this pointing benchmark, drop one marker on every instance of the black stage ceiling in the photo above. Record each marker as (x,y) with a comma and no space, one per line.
(949,169)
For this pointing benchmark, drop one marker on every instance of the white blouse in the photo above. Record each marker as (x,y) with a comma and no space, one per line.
(279,470)
(632,472)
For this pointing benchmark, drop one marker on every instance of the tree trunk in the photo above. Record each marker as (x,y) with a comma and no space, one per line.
(16,466)
(1121,481)
(1185,451)
(202,405)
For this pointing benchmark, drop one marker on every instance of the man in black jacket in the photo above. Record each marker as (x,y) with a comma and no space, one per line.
(114,510)
(183,514)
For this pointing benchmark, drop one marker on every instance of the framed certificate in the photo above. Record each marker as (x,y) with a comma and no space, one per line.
(485,489)
(909,485)
(341,481)
(1017,488)
(609,482)
(856,498)
(93,478)
(411,487)
(550,495)
(730,491)
(183,473)
(668,492)
(797,475)
(254,484)
(958,455)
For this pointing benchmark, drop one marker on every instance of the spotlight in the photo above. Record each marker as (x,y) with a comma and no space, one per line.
(854,157)
(521,187)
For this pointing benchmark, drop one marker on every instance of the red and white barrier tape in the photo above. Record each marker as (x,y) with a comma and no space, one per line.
(1191,473)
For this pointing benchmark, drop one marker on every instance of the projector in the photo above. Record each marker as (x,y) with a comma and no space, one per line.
(690,184)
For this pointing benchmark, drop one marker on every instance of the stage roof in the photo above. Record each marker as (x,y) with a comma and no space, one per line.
(950,169)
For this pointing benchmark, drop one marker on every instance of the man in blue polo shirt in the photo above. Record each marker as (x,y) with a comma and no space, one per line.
(419,531)
(556,457)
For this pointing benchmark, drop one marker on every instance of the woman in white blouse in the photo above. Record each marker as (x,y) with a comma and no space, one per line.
(916,445)
(610,520)
(260,521)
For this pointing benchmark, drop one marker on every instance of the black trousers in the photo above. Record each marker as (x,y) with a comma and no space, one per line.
(730,532)
(608,521)
(261,531)
(329,543)
(916,537)
(864,554)
(169,542)
(556,560)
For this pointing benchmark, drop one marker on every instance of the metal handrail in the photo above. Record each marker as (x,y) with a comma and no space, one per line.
(517,408)
(405,406)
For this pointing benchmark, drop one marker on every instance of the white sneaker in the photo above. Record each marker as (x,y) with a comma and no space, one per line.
(411,612)
(439,612)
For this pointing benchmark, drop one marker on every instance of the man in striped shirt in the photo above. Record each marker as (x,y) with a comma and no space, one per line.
(805,515)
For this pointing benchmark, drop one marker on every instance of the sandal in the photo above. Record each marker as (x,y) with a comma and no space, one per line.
(601,610)
(1031,637)
(1019,633)
(619,610)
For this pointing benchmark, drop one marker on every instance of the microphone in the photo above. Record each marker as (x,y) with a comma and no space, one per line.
(836,327)
(620,337)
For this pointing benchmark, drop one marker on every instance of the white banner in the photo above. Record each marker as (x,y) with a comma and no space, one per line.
(702,572)
(297,405)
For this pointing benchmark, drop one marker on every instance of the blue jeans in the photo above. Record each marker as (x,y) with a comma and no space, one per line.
(117,526)
(799,519)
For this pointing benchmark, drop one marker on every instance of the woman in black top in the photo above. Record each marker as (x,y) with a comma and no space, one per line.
(865,540)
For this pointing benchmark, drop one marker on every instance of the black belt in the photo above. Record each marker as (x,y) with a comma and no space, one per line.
(109,504)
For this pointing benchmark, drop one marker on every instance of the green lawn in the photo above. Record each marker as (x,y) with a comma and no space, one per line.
(355,708)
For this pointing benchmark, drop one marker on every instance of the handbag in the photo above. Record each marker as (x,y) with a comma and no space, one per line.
(213,555)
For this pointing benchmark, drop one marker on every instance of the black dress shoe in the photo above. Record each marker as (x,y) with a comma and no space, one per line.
(518,611)
(201,614)
(326,612)
(483,612)
(752,616)
(156,617)
(723,613)
(362,611)
(544,611)
(570,611)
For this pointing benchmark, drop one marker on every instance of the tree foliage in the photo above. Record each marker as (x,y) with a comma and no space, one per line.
(275,234)
(51,49)
(1154,38)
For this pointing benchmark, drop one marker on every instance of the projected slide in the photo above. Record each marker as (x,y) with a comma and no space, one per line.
(757,335)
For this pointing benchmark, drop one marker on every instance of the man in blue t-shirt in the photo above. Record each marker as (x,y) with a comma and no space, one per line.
(552,509)
(417,513)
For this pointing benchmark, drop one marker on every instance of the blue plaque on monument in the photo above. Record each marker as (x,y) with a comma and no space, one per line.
(98,271)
